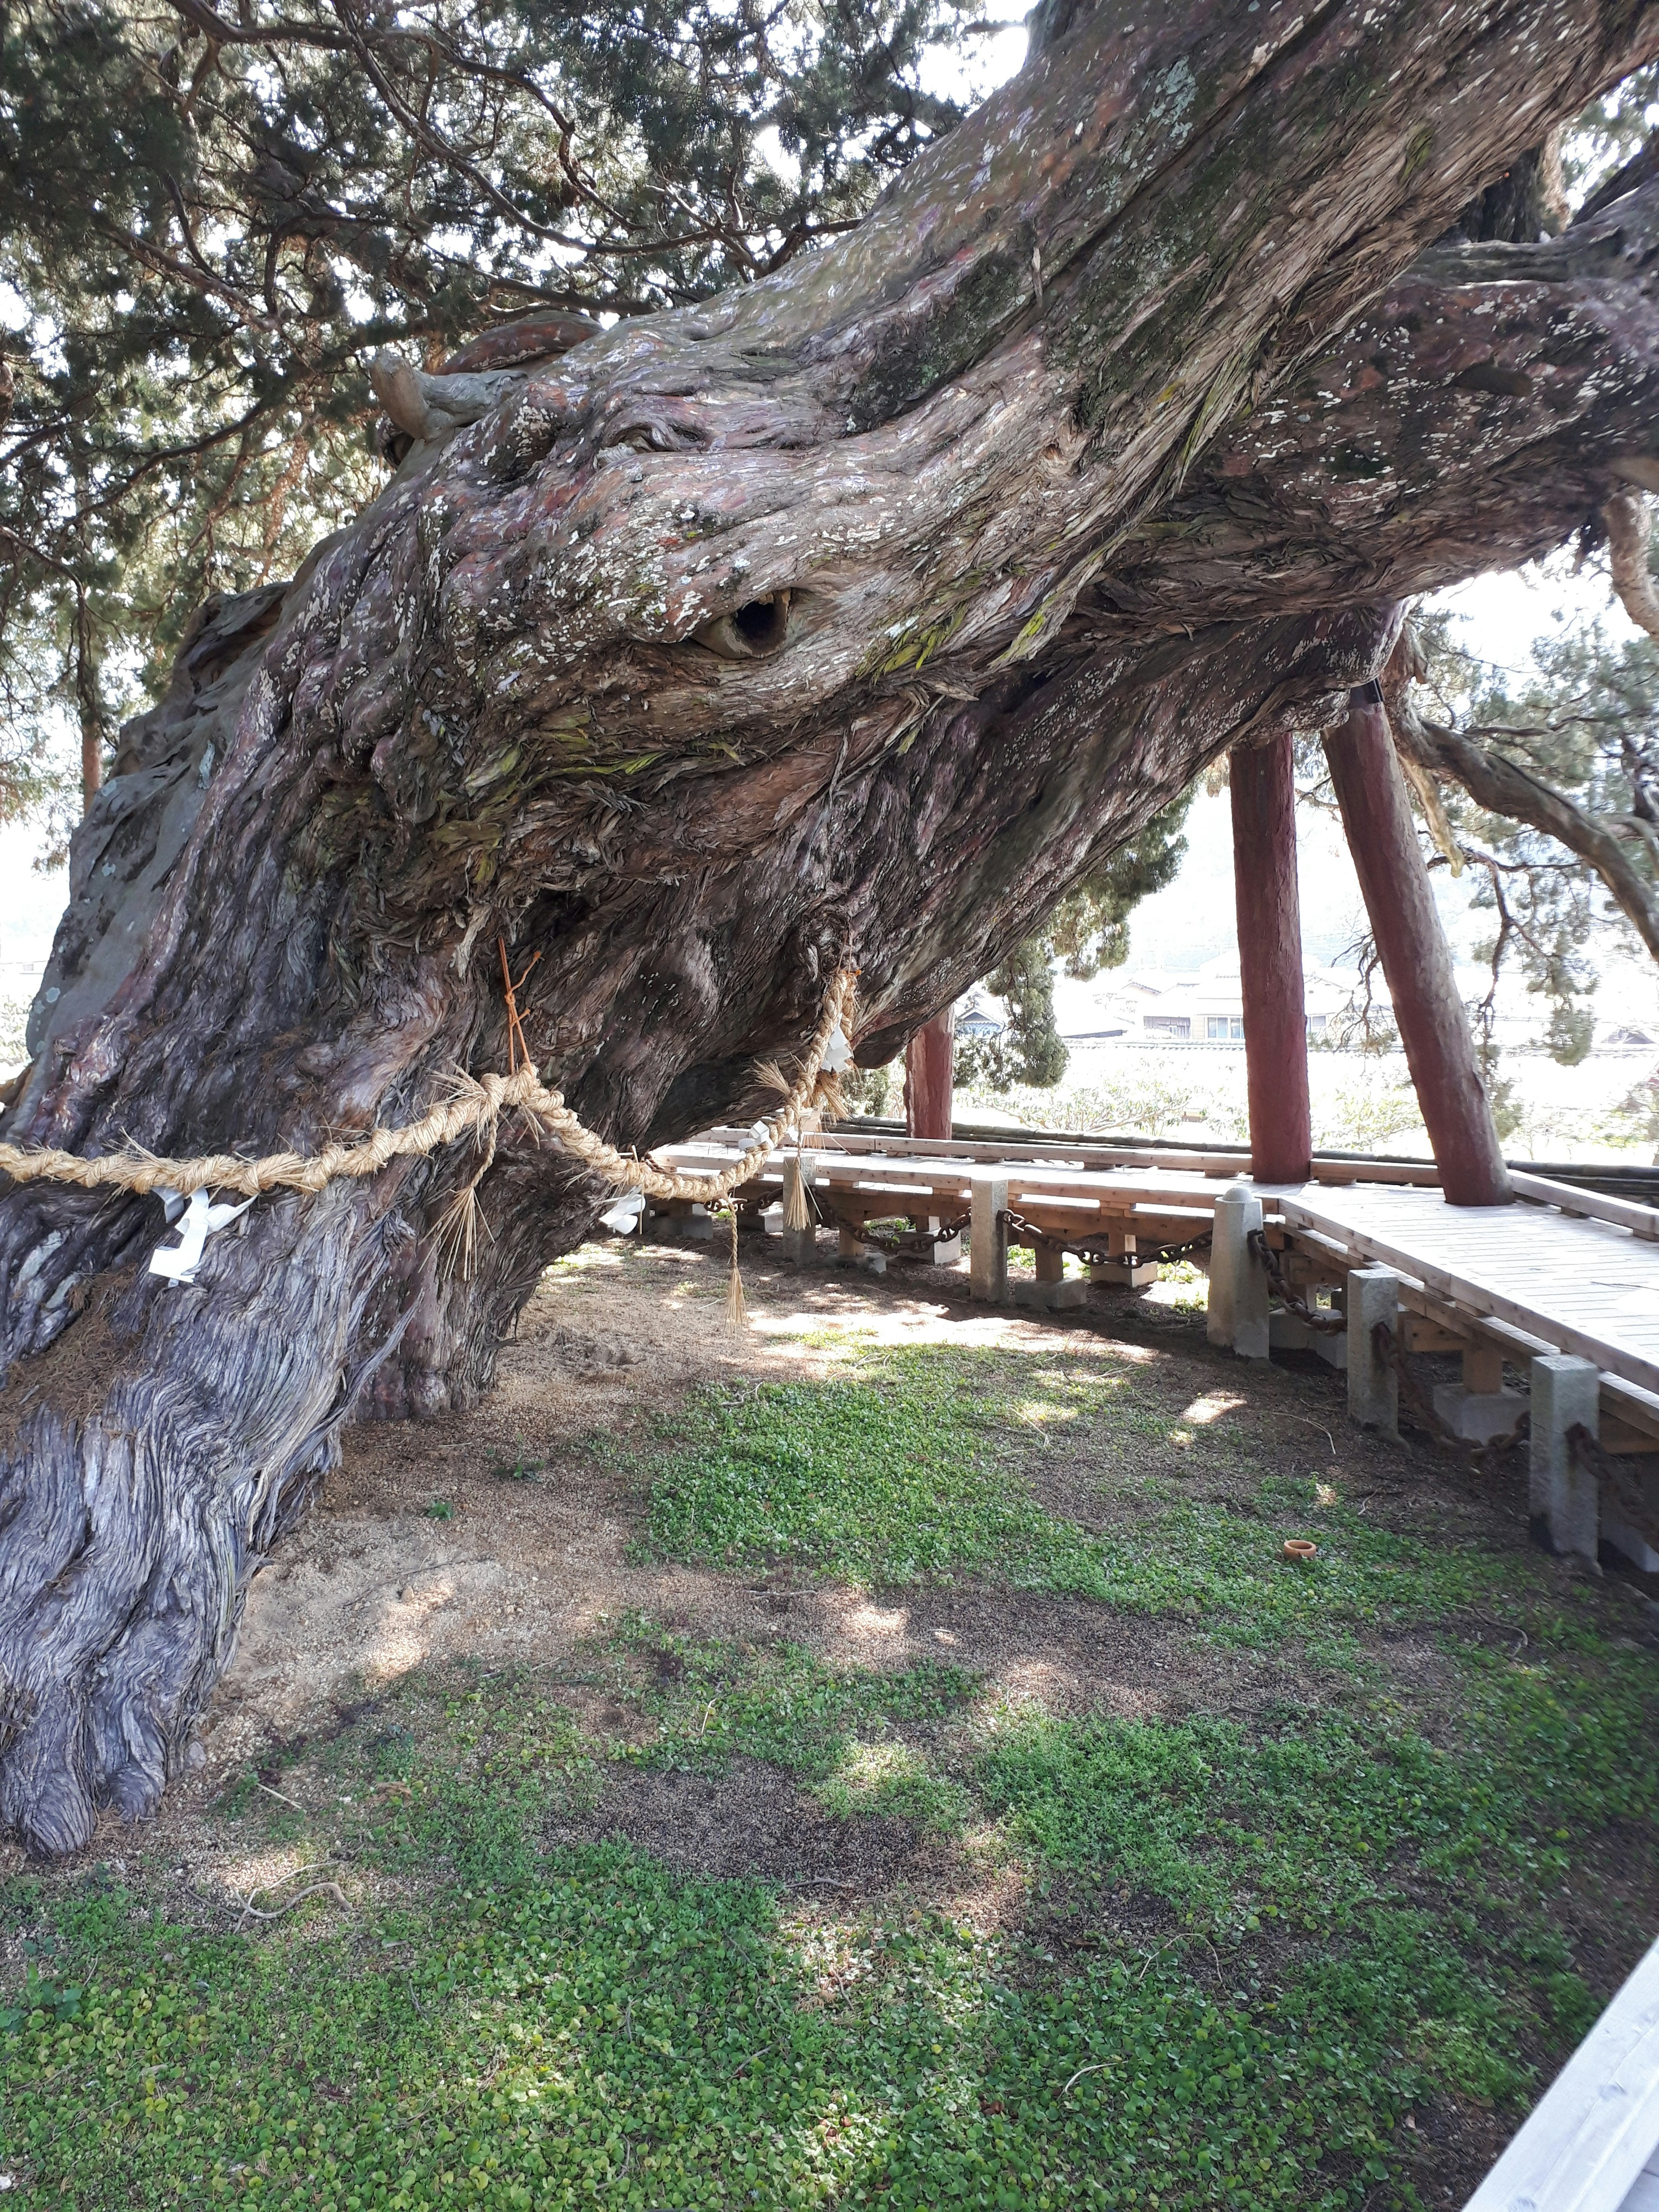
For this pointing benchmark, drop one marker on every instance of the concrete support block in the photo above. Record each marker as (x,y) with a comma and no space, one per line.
(1238,1281)
(852,1251)
(1562,1496)
(941,1251)
(987,1240)
(1479,1415)
(1126,1274)
(678,1222)
(800,1245)
(1288,1331)
(1051,1297)
(1372,1294)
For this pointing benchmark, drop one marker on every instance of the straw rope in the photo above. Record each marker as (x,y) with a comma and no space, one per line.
(474,1112)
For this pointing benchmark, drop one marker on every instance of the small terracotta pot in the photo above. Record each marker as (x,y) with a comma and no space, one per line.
(1299,1549)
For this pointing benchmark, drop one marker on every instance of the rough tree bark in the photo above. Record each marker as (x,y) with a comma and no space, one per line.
(858,612)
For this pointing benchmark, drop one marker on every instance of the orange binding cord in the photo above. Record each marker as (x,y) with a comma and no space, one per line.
(515,1037)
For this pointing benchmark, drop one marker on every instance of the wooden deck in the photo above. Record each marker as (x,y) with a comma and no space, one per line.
(1565,1284)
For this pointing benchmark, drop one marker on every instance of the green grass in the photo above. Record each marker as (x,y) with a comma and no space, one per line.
(1228,1958)
(610,2035)
(915,1467)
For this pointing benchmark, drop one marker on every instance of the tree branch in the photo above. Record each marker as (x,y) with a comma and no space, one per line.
(1503,786)
(1627,516)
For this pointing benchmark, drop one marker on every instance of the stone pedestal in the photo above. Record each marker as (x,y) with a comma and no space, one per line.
(1238,1283)
(1564,1497)
(987,1241)
(1479,1415)
(1372,1296)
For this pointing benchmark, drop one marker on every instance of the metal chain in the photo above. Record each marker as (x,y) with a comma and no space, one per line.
(1165,1254)
(1420,1400)
(895,1243)
(1325,1324)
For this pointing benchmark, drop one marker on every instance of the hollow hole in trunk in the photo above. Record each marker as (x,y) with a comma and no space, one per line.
(751,631)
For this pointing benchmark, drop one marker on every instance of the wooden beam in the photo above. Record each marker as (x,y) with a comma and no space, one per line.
(1228,1165)
(1588,1205)
(1263,786)
(1434,1028)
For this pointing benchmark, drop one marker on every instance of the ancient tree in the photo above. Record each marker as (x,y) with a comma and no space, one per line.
(856,614)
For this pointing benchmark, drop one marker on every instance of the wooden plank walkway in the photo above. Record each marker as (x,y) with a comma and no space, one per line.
(1563,1272)
(1584,1286)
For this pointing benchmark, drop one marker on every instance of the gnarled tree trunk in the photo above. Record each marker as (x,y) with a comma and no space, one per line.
(856,614)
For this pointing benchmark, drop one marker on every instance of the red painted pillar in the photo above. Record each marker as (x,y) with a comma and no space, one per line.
(928,1077)
(1416,959)
(1263,784)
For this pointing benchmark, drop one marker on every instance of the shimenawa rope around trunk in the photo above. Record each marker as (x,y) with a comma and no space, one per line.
(475,1110)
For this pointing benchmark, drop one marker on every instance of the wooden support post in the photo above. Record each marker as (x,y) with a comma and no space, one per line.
(1049,1290)
(1124,1269)
(987,1237)
(1263,785)
(929,1076)
(1564,1497)
(1372,1296)
(1433,1027)
(1238,1283)
(1483,1370)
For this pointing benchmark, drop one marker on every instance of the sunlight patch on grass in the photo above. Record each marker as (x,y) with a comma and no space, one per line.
(918,1464)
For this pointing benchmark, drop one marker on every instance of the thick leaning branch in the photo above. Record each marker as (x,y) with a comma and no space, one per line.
(1493,401)
(733,646)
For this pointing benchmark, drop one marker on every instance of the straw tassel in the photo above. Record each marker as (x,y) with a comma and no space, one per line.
(795,1215)
(735,1311)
